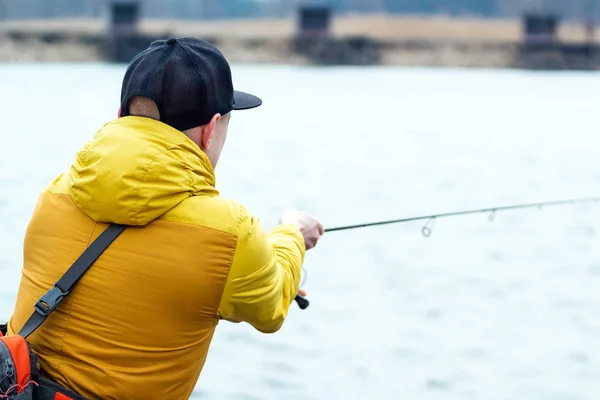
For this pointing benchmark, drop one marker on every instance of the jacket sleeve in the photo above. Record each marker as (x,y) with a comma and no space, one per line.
(264,276)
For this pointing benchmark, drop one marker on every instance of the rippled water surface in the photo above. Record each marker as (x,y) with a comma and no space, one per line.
(508,309)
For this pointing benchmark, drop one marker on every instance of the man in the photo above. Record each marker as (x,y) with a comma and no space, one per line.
(139,323)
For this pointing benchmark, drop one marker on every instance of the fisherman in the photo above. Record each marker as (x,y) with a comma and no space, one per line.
(139,323)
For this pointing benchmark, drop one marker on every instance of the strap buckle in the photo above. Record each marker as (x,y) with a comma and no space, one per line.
(48,302)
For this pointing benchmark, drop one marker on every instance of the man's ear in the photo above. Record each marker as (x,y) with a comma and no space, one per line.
(119,113)
(207,131)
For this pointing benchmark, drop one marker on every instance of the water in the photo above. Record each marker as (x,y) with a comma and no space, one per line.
(507,309)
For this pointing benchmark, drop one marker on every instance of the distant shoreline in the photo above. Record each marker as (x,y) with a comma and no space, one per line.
(402,40)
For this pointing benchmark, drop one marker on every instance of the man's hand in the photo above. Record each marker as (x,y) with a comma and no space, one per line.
(310,227)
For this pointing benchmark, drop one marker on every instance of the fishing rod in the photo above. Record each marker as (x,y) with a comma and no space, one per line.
(426,230)
(493,210)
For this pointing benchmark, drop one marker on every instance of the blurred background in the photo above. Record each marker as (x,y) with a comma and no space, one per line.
(478,33)
(372,110)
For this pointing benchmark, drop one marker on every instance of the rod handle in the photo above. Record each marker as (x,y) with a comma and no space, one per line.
(302,302)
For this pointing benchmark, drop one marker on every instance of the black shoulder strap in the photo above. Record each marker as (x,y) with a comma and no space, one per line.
(48,302)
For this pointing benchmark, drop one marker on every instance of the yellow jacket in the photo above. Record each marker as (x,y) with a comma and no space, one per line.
(139,323)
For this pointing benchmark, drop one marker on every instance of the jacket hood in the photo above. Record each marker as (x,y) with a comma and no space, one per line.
(136,169)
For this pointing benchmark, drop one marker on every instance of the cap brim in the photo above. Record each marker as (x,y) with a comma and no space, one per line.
(245,101)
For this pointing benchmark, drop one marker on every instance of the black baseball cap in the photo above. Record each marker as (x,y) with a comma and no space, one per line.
(189,79)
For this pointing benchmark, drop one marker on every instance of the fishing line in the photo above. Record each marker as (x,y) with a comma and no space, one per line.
(428,227)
